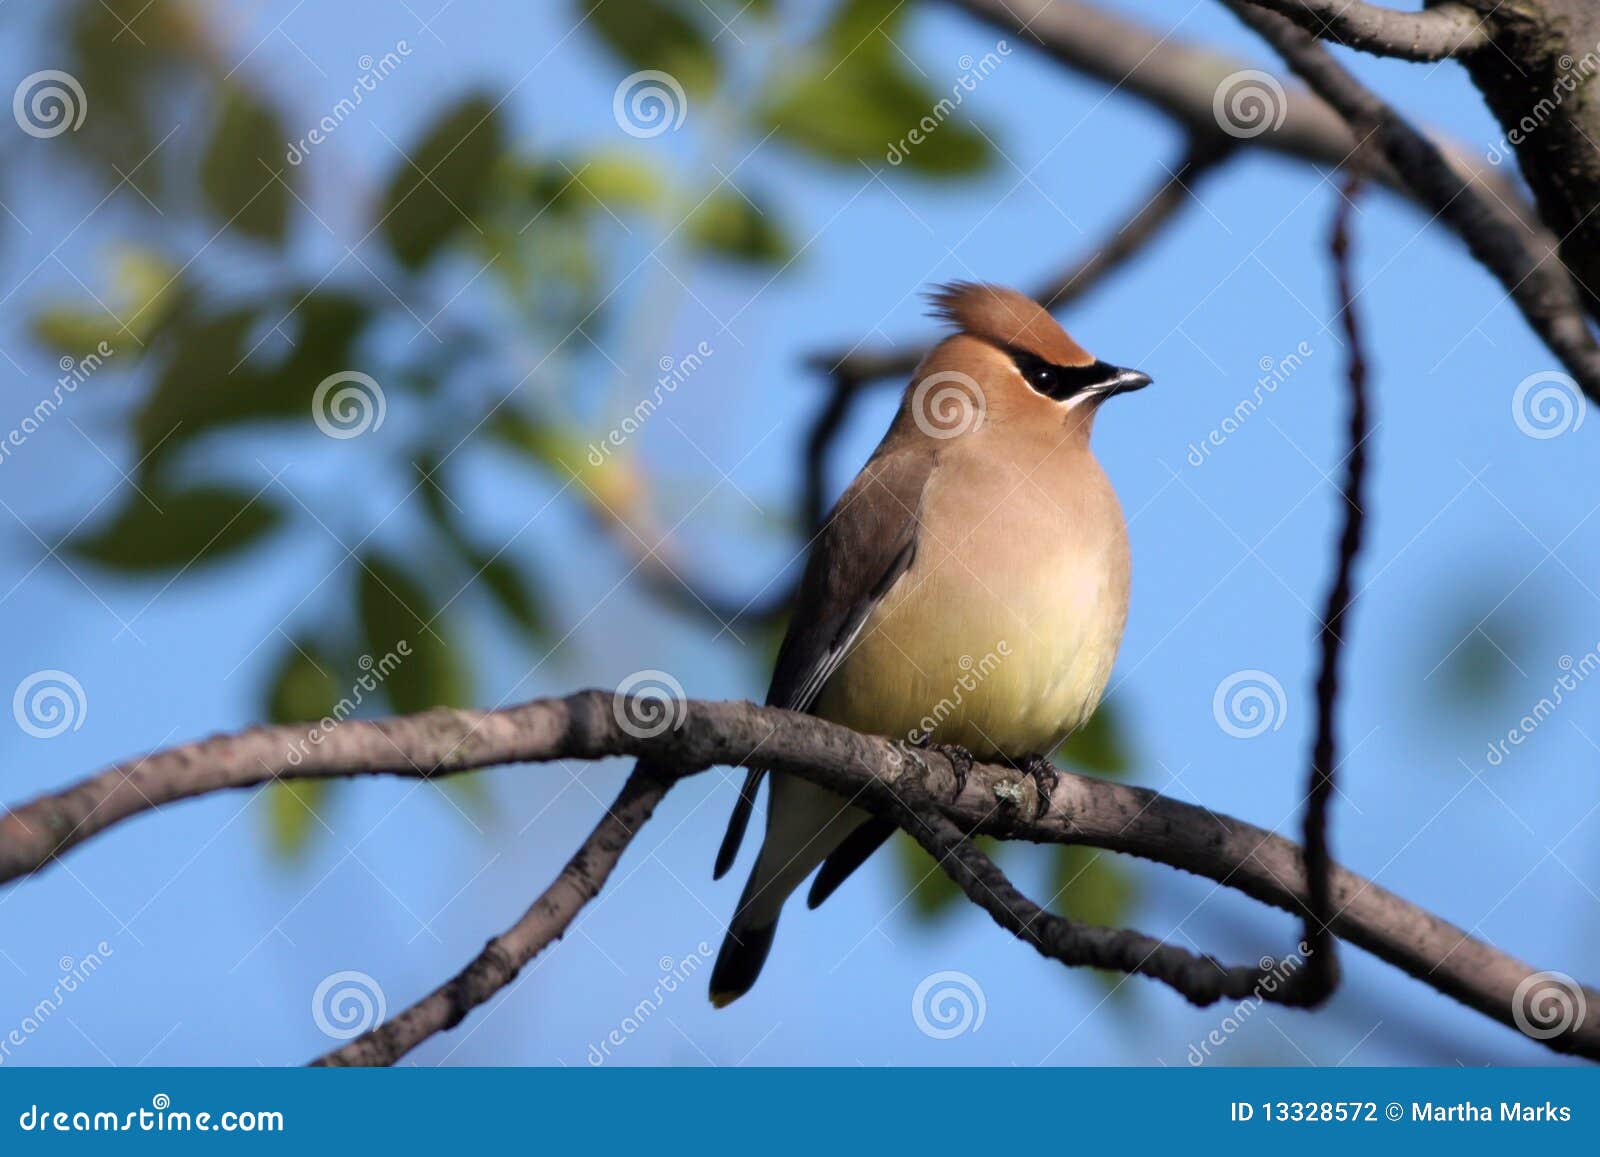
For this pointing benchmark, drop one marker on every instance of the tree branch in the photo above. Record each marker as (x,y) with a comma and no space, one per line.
(1318,981)
(1541,289)
(1200,979)
(1437,33)
(504,956)
(1181,80)
(995,800)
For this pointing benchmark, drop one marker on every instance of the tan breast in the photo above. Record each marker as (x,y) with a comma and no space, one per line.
(1002,634)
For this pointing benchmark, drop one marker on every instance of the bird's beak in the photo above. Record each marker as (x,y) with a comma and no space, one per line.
(1125,381)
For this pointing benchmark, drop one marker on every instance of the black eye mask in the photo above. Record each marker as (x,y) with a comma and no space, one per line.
(1062,382)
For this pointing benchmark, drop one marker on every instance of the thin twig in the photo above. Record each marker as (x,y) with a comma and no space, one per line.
(1446,30)
(503,957)
(1201,980)
(1319,980)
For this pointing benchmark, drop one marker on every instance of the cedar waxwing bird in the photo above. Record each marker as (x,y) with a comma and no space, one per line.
(969,591)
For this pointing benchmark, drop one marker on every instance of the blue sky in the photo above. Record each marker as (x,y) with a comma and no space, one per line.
(1481,551)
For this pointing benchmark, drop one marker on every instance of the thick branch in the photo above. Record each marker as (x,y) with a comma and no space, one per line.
(1445,30)
(995,800)
(503,957)
(1181,80)
(1539,80)
(1538,285)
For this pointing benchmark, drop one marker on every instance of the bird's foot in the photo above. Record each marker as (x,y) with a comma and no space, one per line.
(1045,777)
(961,762)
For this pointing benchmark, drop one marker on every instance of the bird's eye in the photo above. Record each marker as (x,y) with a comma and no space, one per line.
(1037,372)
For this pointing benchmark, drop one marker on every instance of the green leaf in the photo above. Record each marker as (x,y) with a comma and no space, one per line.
(854,99)
(202,384)
(237,170)
(1094,887)
(856,24)
(471,794)
(728,225)
(327,325)
(514,592)
(144,294)
(609,478)
(441,185)
(579,184)
(196,525)
(657,34)
(293,807)
(215,377)
(441,511)
(506,583)
(303,690)
(1091,886)
(126,52)
(399,618)
(73,330)
(1101,745)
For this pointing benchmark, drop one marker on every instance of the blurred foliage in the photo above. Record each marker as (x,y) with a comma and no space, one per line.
(213,346)
(1478,649)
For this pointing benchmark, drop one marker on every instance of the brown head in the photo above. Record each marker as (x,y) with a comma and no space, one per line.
(1009,362)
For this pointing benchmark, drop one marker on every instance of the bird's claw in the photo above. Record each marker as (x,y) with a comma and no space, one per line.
(1045,777)
(961,762)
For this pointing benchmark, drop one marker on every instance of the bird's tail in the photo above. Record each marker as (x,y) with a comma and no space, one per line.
(805,823)
(745,947)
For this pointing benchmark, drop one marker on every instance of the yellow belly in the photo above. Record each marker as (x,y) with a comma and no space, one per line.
(1001,641)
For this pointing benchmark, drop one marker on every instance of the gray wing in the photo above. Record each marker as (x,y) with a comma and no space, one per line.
(866,544)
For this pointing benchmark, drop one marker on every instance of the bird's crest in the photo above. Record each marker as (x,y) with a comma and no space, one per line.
(1006,318)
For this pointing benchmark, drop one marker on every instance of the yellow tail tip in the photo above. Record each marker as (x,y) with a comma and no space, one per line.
(724,999)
